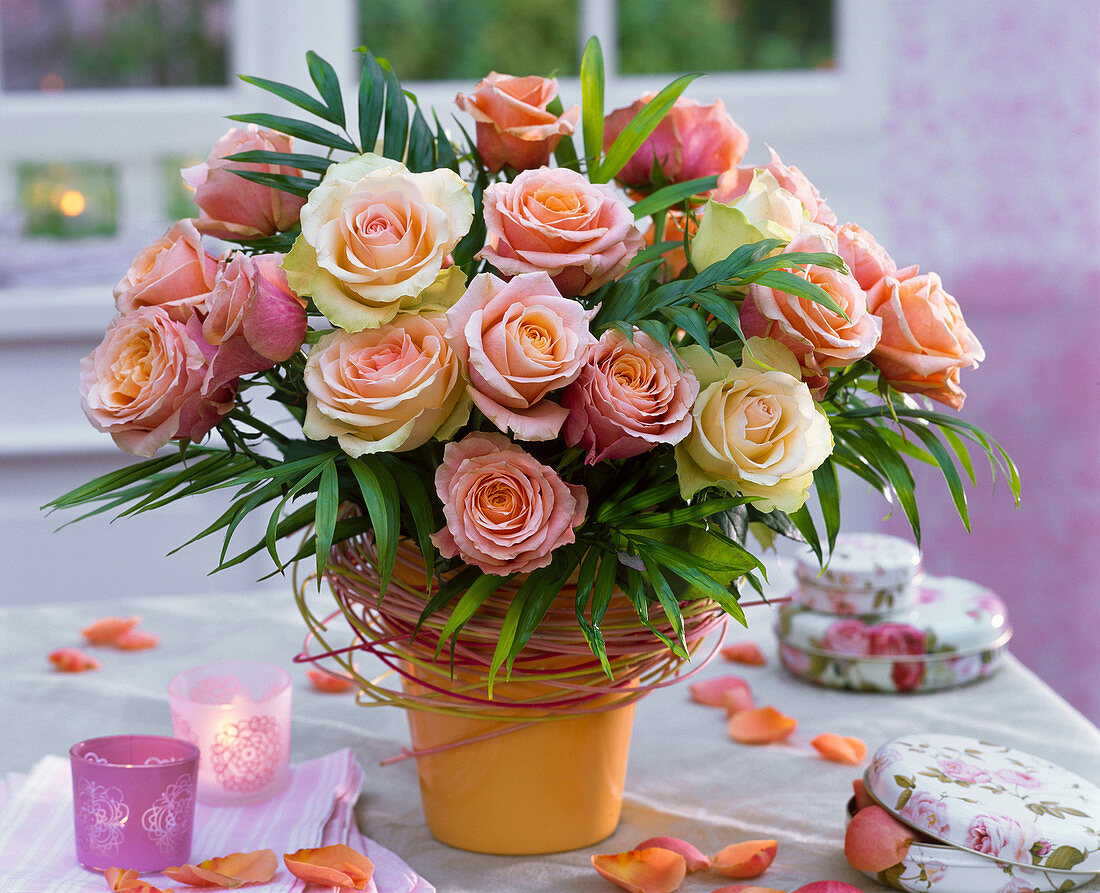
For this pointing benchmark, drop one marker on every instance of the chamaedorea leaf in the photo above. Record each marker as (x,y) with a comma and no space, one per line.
(665,598)
(302,130)
(380,498)
(372,93)
(418,503)
(328,85)
(878,453)
(395,129)
(586,580)
(792,284)
(947,466)
(316,164)
(271,539)
(292,95)
(640,127)
(421,153)
(592,84)
(444,149)
(667,196)
(551,579)
(828,498)
(104,485)
(472,599)
(804,521)
(328,506)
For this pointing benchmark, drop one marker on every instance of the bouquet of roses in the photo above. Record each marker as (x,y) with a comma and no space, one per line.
(603,366)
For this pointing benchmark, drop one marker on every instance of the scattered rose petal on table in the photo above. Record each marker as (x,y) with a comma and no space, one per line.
(128,881)
(744,653)
(875,840)
(329,683)
(106,630)
(736,699)
(760,725)
(234,870)
(696,859)
(851,751)
(748,859)
(746,888)
(827,887)
(712,692)
(333,866)
(861,795)
(73,660)
(650,870)
(136,640)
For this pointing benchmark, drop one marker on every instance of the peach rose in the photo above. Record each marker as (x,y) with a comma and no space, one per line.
(521,340)
(252,317)
(506,512)
(554,220)
(925,340)
(513,126)
(232,207)
(756,430)
(175,272)
(628,398)
(385,390)
(374,238)
(733,183)
(143,384)
(691,141)
(865,257)
(818,337)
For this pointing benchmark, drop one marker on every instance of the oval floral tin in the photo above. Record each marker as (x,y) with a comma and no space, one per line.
(1030,824)
(867,573)
(954,634)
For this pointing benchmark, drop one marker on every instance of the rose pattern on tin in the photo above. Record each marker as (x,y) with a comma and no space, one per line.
(167,820)
(101,815)
(246,754)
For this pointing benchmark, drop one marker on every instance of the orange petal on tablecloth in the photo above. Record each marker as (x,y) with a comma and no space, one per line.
(746,888)
(851,751)
(712,692)
(136,640)
(128,881)
(73,660)
(329,683)
(827,887)
(107,629)
(760,725)
(875,840)
(745,860)
(234,870)
(695,859)
(333,866)
(650,870)
(744,653)
(859,789)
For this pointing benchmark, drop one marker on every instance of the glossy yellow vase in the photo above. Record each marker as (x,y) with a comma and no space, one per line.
(545,788)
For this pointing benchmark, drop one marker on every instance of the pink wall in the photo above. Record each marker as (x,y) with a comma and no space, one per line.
(992,166)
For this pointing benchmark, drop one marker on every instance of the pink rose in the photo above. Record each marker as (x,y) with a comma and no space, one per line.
(925,341)
(144,383)
(818,337)
(691,141)
(521,340)
(1000,836)
(232,207)
(175,272)
(848,637)
(960,771)
(253,317)
(553,220)
(927,813)
(1019,779)
(736,181)
(628,398)
(865,257)
(513,126)
(506,512)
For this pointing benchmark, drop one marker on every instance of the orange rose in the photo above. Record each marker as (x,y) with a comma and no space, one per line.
(175,273)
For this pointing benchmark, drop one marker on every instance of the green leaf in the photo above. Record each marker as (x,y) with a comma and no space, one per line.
(508,629)
(643,124)
(271,538)
(667,601)
(828,497)
(314,163)
(421,155)
(379,492)
(301,186)
(472,599)
(793,284)
(372,91)
(547,588)
(691,322)
(328,505)
(107,483)
(680,516)
(418,502)
(592,104)
(1064,858)
(962,452)
(722,310)
(396,128)
(566,152)
(888,463)
(947,467)
(803,520)
(667,196)
(328,85)
(302,130)
(444,151)
(292,95)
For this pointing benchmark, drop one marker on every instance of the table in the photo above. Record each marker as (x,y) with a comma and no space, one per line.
(686,778)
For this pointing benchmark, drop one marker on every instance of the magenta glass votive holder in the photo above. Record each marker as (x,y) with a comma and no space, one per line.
(133,801)
(237,712)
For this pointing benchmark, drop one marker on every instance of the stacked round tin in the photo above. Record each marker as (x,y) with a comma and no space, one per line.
(872,620)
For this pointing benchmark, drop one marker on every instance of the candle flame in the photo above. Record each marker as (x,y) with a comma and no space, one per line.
(72,203)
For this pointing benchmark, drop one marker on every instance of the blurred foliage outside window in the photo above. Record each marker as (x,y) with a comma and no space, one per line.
(68,200)
(51,45)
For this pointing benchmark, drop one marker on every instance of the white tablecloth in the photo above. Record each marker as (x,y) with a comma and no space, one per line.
(686,778)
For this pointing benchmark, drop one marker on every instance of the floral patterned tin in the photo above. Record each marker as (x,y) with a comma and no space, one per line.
(868,573)
(1001,820)
(954,634)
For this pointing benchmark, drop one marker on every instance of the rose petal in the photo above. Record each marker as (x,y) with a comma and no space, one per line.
(128,882)
(745,653)
(737,699)
(827,887)
(861,795)
(73,660)
(745,860)
(234,870)
(695,859)
(332,866)
(746,888)
(875,840)
(851,751)
(329,683)
(136,640)
(107,629)
(712,692)
(760,725)
(652,870)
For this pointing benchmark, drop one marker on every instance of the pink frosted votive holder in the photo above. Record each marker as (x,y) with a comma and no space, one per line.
(237,712)
(133,801)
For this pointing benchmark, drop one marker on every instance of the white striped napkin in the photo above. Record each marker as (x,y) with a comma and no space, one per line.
(38,854)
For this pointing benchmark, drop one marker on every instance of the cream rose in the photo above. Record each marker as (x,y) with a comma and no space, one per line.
(374,237)
(756,430)
(385,390)
(734,182)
